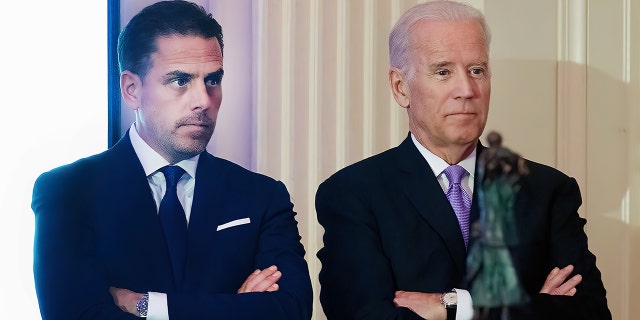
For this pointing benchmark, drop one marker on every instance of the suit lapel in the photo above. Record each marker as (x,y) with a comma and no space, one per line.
(210,196)
(423,191)
(209,193)
(130,203)
(128,184)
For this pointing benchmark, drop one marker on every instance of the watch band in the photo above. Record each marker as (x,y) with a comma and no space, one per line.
(143,306)
(450,302)
(451,312)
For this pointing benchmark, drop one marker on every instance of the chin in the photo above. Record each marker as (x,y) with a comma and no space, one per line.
(191,148)
(465,137)
(197,147)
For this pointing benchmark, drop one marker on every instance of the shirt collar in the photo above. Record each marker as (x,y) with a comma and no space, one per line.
(152,161)
(438,165)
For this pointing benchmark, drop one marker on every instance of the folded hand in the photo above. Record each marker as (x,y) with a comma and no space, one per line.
(556,284)
(262,280)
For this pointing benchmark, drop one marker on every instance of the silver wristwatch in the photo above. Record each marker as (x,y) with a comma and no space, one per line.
(450,302)
(143,305)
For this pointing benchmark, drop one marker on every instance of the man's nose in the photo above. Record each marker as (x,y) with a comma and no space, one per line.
(200,96)
(464,87)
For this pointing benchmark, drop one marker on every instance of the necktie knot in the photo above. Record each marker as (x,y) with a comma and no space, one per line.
(172,175)
(455,173)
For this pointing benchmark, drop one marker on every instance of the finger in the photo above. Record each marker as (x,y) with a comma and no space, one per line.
(571,292)
(273,288)
(258,277)
(556,278)
(566,270)
(243,287)
(562,275)
(553,272)
(568,285)
(253,275)
(552,280)
(399,302)
(267,282)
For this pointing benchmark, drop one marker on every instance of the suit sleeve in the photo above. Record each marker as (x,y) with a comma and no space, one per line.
(356,278)
(279,245)
(568,245)
(70,283)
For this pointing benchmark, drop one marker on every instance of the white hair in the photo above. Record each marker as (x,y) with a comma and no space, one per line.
(440,10)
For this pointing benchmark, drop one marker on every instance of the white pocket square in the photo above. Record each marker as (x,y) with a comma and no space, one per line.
(233,223)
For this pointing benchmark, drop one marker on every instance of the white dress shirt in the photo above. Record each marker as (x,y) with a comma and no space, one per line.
(465,304)
(151,162)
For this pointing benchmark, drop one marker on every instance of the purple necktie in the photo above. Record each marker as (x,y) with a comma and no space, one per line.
(174,222)
(459,199)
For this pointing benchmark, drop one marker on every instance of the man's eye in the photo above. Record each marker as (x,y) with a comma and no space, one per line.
(212,82)
(181,82)
(477,71)
(442,72)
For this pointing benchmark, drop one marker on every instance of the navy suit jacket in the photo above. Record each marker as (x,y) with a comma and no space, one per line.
(97,226)
(389,226)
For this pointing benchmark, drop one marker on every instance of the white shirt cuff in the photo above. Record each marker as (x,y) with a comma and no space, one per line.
(158,308)
(465,305)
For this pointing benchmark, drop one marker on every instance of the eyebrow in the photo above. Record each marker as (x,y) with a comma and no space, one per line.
(439,64)
(216,74)
(482,64)
(170,76)
(442,64)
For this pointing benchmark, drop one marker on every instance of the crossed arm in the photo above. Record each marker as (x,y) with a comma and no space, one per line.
(428,305)
(265,280)
(373,228)
(77,260)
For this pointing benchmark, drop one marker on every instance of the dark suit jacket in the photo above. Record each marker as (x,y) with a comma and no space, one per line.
(97,226)
(389,226)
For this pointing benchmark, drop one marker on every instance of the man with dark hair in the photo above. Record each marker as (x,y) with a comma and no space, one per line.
(156,226)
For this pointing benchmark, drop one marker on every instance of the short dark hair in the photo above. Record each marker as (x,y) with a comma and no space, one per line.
(137,41)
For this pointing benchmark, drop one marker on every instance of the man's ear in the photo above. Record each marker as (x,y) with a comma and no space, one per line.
(131,89)
(399,87)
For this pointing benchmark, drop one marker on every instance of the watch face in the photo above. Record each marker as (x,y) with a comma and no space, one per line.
(450,298)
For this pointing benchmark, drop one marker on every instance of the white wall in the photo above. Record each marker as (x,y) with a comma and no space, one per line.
(54,93)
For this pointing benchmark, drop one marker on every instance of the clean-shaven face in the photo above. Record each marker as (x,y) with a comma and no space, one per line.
(450,84)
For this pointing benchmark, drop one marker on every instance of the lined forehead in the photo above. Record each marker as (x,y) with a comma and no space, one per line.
(445,11)
(188,48)
(429,35)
